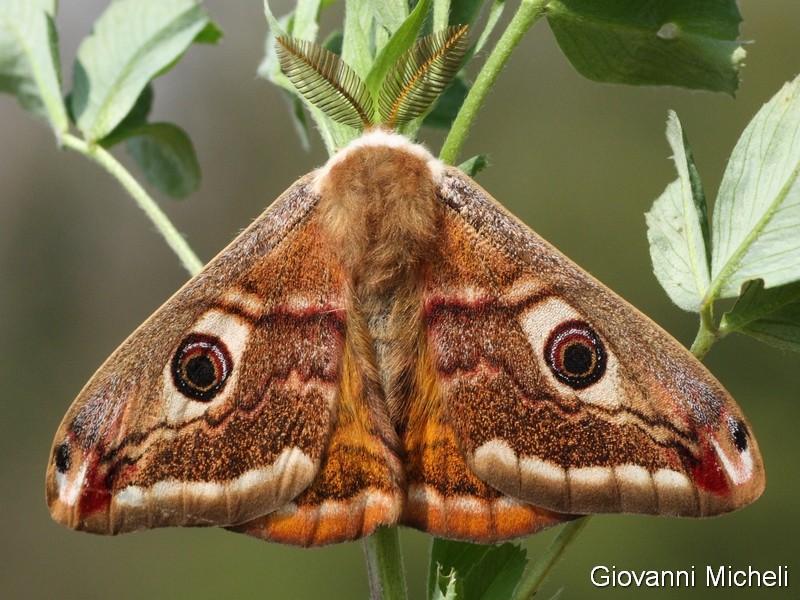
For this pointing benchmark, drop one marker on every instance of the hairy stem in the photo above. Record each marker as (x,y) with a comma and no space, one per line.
(707,334)
(528,13)
(172,236)
(385,565)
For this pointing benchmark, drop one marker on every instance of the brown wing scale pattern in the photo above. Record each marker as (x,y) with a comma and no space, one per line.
(445,498)
(655,433)
(262,326)
(386,344)
(360,482)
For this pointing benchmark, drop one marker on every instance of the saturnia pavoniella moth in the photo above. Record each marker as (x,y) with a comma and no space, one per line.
(386,344)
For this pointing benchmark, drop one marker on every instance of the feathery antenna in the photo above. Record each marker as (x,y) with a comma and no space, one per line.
(326,81)
(421,75)
(416,80)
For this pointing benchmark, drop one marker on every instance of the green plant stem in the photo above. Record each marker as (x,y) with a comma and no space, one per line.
(707,334)
(528,13)
(537,574)
(105,159)
(385,565)
(703,342)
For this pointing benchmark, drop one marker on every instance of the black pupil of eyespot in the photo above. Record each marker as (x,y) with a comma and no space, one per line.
(575,354)
(740,436)
(63,458)
(578,359)
(201,366)
(200,371)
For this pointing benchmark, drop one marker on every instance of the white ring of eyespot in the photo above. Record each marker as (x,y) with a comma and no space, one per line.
(234,332)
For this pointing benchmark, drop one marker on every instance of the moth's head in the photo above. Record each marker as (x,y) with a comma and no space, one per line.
(407,90)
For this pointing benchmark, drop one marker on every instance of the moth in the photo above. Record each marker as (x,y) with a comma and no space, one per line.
(386,345)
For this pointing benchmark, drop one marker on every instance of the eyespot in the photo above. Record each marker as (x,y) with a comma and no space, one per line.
(739,434)
(63,457)
(201,366)
(575,354)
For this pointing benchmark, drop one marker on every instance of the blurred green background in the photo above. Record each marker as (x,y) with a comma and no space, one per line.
(80,268)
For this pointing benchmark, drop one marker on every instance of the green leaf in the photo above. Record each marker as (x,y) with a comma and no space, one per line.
(757,213)
(162,151)
(270,70)
(211,34)
(449,554)
(305,21)
(29,62)
(482,572)
(400,42)
(133,120)
(464,12)
(299,119)
(357,43)
(771,315)
(474,165)
(677,229)
(334,42)
(651,42)
(166,156)
(495,12)
(390,14)
(132,42)
(497,575)
(440,15)
(445,588)
(270,67)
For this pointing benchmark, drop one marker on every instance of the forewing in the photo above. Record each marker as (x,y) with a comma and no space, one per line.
(218,409)
(563,395)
